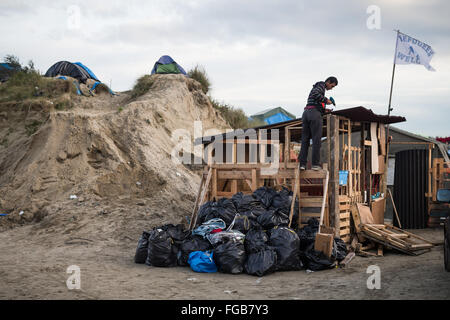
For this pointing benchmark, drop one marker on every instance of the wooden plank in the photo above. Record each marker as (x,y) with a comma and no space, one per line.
(201,199)
(214,184)
(345,223)
(348,258)
(374,147)
(365,215)
(378,206)
(345,215)
(344,207)
(296,192)
(324,243)
(254,180)
(383,139)
(240,175)
(325,192)
(334,173)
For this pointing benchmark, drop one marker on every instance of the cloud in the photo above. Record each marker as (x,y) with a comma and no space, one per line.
(257,53)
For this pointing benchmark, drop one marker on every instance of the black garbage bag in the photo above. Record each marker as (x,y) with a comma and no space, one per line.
(223,209)
(286,243)
(252,219)
(142,248)
(177,233)
(255,240)
(315,260)
(282,200)
(205,210)
(339,251)
(271,219)
(162,251)
(264,195)
(307,234)
(229,257)
(242,223)
(261,262)
(191,244)
(245,202)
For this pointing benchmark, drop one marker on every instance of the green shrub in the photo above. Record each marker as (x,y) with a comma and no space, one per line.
(143,84)
(235,117)
(199,74)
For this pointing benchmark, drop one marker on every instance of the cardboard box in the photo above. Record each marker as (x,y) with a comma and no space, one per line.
(378,207)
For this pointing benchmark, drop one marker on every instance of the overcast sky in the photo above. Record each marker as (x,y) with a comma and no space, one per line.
(258,54)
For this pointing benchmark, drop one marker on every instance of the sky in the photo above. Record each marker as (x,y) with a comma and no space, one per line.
(258,54)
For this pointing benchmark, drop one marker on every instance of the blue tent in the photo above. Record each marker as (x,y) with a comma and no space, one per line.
(274,115)
(165,65)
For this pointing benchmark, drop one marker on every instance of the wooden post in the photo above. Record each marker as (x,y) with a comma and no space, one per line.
(295,193)
(334,175)
(363,160)
(350,165)
(200,199)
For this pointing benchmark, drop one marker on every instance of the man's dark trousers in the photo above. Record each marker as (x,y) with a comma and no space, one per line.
(312,128)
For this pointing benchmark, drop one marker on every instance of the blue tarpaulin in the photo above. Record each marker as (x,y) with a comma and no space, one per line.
(276,118)
(93,76)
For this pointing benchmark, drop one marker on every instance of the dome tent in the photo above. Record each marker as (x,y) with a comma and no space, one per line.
(78,71)
(65,68)
(166,65)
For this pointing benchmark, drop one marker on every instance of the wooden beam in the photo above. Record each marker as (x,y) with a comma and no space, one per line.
(334,174)
(201,199)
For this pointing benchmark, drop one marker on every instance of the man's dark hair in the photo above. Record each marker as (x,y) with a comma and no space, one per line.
(332,80)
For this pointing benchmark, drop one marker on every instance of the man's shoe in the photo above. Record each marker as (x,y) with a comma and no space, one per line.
(316,168)
(302,167)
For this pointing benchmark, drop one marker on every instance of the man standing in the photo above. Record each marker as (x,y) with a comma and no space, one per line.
(312,122)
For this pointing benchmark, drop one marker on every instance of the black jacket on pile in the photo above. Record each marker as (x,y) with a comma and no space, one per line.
(317,96)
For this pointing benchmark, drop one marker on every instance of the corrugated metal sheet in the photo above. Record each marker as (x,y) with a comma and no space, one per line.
(410,186)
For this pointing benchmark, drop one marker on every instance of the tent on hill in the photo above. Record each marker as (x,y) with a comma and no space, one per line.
(78,71)
(6,71)
(273,115)
(166,65)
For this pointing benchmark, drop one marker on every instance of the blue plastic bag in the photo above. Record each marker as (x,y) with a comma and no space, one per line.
(202,261)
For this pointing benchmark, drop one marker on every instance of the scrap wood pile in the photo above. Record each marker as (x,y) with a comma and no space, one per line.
(370,235)
(246,233)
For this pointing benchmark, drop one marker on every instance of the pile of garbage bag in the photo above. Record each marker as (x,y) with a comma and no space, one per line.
(246,233)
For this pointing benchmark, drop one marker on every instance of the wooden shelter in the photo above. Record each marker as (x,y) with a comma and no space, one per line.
(244,160)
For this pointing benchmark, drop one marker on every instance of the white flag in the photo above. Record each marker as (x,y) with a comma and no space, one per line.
(410,50)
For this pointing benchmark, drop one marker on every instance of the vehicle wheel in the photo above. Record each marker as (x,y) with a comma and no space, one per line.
(447,244)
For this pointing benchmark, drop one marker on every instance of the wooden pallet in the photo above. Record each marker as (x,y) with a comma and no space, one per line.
(395,238)
(345,214)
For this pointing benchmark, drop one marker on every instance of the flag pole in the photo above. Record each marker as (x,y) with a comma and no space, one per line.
(389,113)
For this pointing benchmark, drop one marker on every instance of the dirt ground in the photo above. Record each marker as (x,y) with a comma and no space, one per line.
(35,268)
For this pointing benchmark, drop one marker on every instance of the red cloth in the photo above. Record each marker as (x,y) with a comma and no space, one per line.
(216,230)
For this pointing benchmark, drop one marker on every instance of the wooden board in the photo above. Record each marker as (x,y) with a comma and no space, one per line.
(365,215)
(324,243)
(374,147)
(383,139)
(378,208)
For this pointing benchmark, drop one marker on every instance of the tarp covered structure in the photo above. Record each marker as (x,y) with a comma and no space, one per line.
(274,115)
(6,71)
(166,65)
(75,70)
